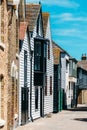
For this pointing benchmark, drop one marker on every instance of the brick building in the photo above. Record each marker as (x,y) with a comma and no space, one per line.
(9,65)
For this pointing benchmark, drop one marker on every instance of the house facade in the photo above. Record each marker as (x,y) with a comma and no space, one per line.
(9,62)
(57,91)
(49,79)
(82,80)
(38,72)
(24,74)
(64,64)
(72,82)
(68,80)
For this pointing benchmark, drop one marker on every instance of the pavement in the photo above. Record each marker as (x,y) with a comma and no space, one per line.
(73,119)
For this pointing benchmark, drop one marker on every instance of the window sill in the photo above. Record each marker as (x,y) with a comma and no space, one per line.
(2,123)
(2,46)
(16,116)
(17,56)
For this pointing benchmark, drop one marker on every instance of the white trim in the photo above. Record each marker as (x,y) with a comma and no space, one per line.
(16,116)
(2,122)
(2,45)
(17,55)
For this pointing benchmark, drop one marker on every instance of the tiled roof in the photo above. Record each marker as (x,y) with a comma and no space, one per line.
(13,1)
(82,64)
(45,17)
(23,28)
(32,12)
(10,0)
(56,52)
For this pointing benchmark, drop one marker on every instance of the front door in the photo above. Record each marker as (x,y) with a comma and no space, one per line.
(41,102)
(24,105)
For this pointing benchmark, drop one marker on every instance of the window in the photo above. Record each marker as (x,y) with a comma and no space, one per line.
(36,98)
(25,68)
(45,56)
(50,85)
(45,85)
(2,23)
(69,89)
(1,96)
(67,63)
(48,51)
(16,96)
(45,50)
(37,56)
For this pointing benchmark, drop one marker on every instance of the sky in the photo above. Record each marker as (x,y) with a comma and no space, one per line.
(68,19)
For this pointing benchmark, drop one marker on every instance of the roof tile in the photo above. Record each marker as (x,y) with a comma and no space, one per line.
(32,12)
(45,17)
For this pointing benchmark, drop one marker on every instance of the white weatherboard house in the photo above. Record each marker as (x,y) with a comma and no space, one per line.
(24,74)
(38,46)
(65,78)
(48,90)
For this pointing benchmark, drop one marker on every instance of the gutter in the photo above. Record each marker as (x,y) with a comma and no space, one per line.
(31,118)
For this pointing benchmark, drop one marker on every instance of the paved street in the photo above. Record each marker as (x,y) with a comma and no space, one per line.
(65,120)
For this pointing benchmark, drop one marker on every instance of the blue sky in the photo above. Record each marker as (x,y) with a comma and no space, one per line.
(68,19)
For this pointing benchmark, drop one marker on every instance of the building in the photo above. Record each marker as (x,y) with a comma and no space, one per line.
(24,74)
(72,82)
(9,65)
(48,90)
(64,64)
(82,80)
(57,92)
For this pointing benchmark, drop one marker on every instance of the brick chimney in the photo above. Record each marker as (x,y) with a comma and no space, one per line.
(83,57)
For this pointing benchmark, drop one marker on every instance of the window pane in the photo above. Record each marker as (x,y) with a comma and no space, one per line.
(36,98)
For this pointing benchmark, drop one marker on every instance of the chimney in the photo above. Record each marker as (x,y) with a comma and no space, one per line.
(22,10)
(83,57)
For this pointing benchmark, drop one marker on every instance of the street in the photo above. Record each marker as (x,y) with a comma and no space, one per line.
(75,119)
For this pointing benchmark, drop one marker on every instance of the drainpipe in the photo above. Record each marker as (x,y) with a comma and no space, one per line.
(31,118)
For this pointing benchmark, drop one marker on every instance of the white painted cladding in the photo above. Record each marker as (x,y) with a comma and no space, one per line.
(35,114)
(48,100)
(65,76)
(21,72)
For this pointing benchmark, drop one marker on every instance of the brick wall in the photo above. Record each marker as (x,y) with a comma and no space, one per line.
(9,65)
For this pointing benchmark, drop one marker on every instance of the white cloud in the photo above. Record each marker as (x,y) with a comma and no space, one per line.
(72,32)
(61,3)
(69,17)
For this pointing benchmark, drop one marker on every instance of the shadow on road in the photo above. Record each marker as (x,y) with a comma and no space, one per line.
(78,109)
(81,119)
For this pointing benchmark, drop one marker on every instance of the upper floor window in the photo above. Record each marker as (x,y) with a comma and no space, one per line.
(45,85)
(48,51)
(67,63)
(37,56)
(25,68)
(50,85)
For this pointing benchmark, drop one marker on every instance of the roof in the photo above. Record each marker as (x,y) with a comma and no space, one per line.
(82,64)
(23,28)
(56,52)
(45,17)
(13,2)
(32,12)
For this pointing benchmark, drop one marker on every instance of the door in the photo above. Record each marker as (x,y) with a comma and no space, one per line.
(41,102)
(79,96)
(24,105)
